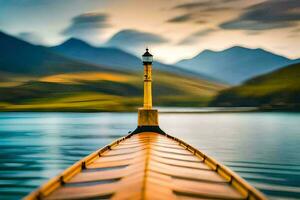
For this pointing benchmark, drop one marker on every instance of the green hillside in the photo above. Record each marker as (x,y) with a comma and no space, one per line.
(277,90)
(100,91)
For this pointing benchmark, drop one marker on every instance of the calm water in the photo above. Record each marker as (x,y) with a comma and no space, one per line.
(264,148)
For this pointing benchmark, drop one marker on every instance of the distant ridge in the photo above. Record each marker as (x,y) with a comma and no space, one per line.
(115,58)
(20,57)
(80,50)
(236,64)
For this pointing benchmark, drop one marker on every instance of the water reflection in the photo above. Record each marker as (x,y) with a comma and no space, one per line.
(264,148)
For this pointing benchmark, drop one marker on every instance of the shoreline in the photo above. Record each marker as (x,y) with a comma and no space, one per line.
(164,110)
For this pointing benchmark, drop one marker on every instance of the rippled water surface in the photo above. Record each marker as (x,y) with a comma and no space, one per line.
(264,148)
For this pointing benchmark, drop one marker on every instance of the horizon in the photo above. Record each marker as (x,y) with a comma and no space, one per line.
(184,27)
(138,56)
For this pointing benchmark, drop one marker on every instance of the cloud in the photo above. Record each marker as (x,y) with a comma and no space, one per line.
(191,39)
(196,11)
(205,32)
(193,5)
(201,21)
(179,19)
(253,32)
(209,5)
(86,23)
(267,15)
(132,40)
(31,37)
(295,33)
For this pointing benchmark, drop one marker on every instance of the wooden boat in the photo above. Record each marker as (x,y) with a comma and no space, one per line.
(147,164)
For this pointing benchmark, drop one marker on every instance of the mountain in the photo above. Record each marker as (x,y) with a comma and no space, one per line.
(276,90)
(20,57)
(236,64)
(36,78)
(114,58)
(111,57)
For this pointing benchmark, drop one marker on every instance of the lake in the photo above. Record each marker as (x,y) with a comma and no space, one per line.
(264,148)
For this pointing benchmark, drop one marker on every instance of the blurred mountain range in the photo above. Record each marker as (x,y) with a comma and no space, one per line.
(76,76)
(112,57)
(115,58)
(231,66)
(236,64)
(20,57)
(38,78)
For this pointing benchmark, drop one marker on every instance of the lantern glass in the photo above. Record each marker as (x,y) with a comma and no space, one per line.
(147,58)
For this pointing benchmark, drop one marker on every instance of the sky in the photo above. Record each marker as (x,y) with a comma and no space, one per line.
(172,29)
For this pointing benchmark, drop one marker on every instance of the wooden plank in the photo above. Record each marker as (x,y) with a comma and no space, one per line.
(205,189)
(193,165)
(85,192)
(99,165)
(188,158)
(168,150)
(86,175)
(188,174)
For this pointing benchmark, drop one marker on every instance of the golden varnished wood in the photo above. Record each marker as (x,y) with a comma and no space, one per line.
(147,166)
